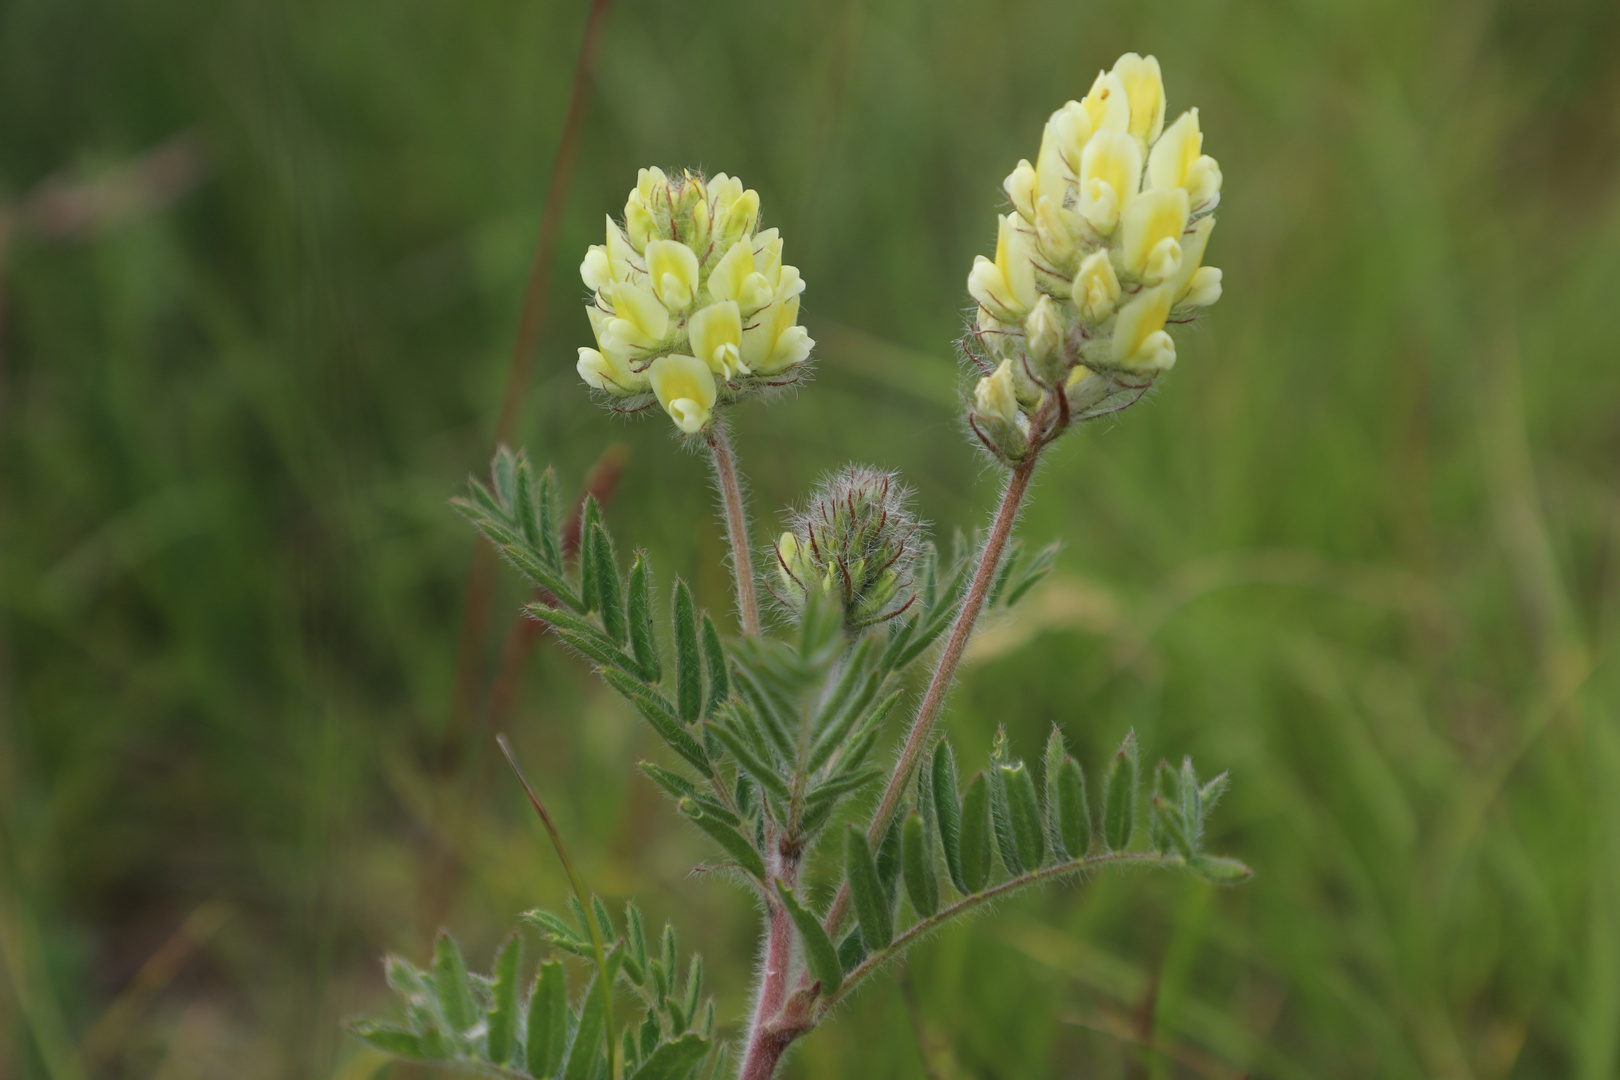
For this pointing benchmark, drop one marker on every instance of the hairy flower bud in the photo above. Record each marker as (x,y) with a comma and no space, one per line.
(1103,251)
(854,543)
(690,281)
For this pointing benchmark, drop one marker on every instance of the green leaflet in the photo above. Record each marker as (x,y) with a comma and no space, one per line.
(738,747)
(917,866)
(741,850)
(1119,796)
(948,812)
(673,1060)
(391,1039)
(548,1022)
(453,986)
(819,952)
(504,993)
(1071,816)
(872,909)
(975,840)
(635,944)
(688,660)
(656,711)
(643,641)
(714,654)
(589,1036)
(1001,820)
(1024,814)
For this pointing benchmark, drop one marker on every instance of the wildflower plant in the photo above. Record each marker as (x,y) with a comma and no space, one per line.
(774,739)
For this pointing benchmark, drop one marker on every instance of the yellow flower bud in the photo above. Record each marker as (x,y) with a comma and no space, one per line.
(1043,330)
(1107,105)
(716,336)
(1006,286)
(1096,288)
(1110,173)
(735,277)
(640,320)
(738,217)
(1193,243)
(1178,160)
(1140,342)
(1057,230)
(596,271)
(649,182)
(1150,241)
(1070,128)
(672,268)
(1204,288)
(995,397)
(638,222)
(609,373)
(1052,173)
(773,341)
(1020,189)
(685,388)
(1144,89)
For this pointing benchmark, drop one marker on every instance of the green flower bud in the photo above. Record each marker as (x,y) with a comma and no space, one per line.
(855,543)
(692,306)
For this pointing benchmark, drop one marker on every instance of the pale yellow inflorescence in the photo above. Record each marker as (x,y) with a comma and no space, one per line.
(1103,249)
(692,303)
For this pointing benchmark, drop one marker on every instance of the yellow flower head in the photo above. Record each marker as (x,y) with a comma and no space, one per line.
(690,279)
(1103,250)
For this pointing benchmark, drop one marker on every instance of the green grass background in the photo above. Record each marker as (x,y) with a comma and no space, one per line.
(1362,549)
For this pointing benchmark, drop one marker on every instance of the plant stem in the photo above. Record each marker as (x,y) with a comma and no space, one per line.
(604,978)
(742,558)
(945,671)
(765,1044)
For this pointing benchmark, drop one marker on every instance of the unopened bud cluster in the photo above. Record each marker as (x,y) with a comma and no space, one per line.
(692,304)
(1103,248)
(855,543)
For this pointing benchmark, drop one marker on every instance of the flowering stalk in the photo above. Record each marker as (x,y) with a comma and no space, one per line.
(731,502)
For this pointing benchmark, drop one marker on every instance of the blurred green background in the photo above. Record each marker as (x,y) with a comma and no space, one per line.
(262,265)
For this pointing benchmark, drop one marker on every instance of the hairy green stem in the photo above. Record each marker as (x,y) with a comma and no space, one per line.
(742,558)
(603,977)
